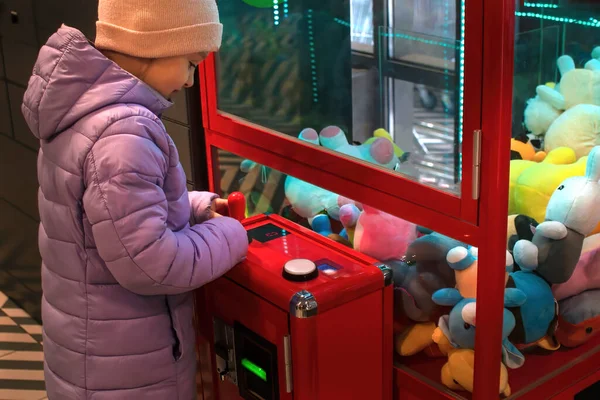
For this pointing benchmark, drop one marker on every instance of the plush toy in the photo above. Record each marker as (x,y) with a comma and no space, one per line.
(380,151)
(534,186)
(460,325)
(417,275)
(520,227)
(455,337)
(309,200)
(578,96)
(522,148)
(579,318)
(577,86)
(465,265)
(322,225)
(578,127)
(381,235)
(571,215)
(519,202)
(586,275)
(536,315)
(459,371)
(382,133)
(349,214)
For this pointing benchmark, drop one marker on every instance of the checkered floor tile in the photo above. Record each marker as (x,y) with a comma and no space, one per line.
(21,355)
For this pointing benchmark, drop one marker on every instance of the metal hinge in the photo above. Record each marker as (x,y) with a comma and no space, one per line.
(287,348)
(476,178)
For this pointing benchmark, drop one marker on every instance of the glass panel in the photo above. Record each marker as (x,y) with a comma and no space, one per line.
(286,65)
(361,25)
(421,92)
(337,218)
(289,66)
(431,18)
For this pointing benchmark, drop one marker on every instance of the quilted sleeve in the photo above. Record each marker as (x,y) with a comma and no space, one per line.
(127,207)
(200,203)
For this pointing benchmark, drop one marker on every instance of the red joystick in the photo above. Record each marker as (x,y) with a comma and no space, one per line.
(237,206)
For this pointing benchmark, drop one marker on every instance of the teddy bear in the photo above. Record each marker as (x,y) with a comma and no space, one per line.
(571,215)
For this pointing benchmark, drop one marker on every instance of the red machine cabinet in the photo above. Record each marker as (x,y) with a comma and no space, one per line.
(265,334)
(479,220)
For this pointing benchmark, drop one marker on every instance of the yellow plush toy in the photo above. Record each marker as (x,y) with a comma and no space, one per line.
(535,185)
(459,371)
(559,156)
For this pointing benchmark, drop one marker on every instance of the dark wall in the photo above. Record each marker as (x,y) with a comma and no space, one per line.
(24,26)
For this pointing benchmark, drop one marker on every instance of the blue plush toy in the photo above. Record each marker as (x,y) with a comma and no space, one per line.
(535,317)
(459,326)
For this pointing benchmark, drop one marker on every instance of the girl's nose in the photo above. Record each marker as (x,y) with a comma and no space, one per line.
(190,81)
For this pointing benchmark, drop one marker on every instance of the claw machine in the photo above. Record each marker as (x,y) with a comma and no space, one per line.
(390,154)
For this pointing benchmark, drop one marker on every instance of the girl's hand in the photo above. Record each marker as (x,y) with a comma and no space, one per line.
(219,207)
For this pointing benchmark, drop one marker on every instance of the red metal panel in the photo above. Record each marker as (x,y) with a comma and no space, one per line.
(232,303)
(472,102)
(325,354)
(498,61)
(388,343)
(261,271)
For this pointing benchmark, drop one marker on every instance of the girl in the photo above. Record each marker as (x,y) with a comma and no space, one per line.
(120,255)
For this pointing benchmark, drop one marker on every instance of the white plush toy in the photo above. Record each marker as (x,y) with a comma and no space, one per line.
(571,215)
(544,114)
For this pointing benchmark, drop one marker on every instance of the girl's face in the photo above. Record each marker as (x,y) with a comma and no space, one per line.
(170,75)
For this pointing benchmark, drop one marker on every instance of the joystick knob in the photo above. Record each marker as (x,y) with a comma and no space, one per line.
(237,206)
(300,270)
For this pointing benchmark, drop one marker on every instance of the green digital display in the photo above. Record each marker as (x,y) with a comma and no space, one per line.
(255,369)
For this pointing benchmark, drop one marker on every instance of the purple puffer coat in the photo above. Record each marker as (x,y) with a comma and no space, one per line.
(119,255)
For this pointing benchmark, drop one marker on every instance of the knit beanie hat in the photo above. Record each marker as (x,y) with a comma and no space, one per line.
(158,28)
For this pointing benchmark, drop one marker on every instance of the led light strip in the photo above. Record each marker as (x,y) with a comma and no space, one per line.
(461,82)
(276,12)
(313,61)
(541,5)
(595,24)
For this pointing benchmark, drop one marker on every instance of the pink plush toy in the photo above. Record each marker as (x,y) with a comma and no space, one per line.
(381,235)
(587,272)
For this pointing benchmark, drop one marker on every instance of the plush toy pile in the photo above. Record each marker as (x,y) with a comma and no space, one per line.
(552,284)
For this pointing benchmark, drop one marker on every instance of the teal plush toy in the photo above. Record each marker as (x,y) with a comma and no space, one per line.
(310,201)
(460,325)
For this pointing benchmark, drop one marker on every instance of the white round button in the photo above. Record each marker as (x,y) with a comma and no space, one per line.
(300,267)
